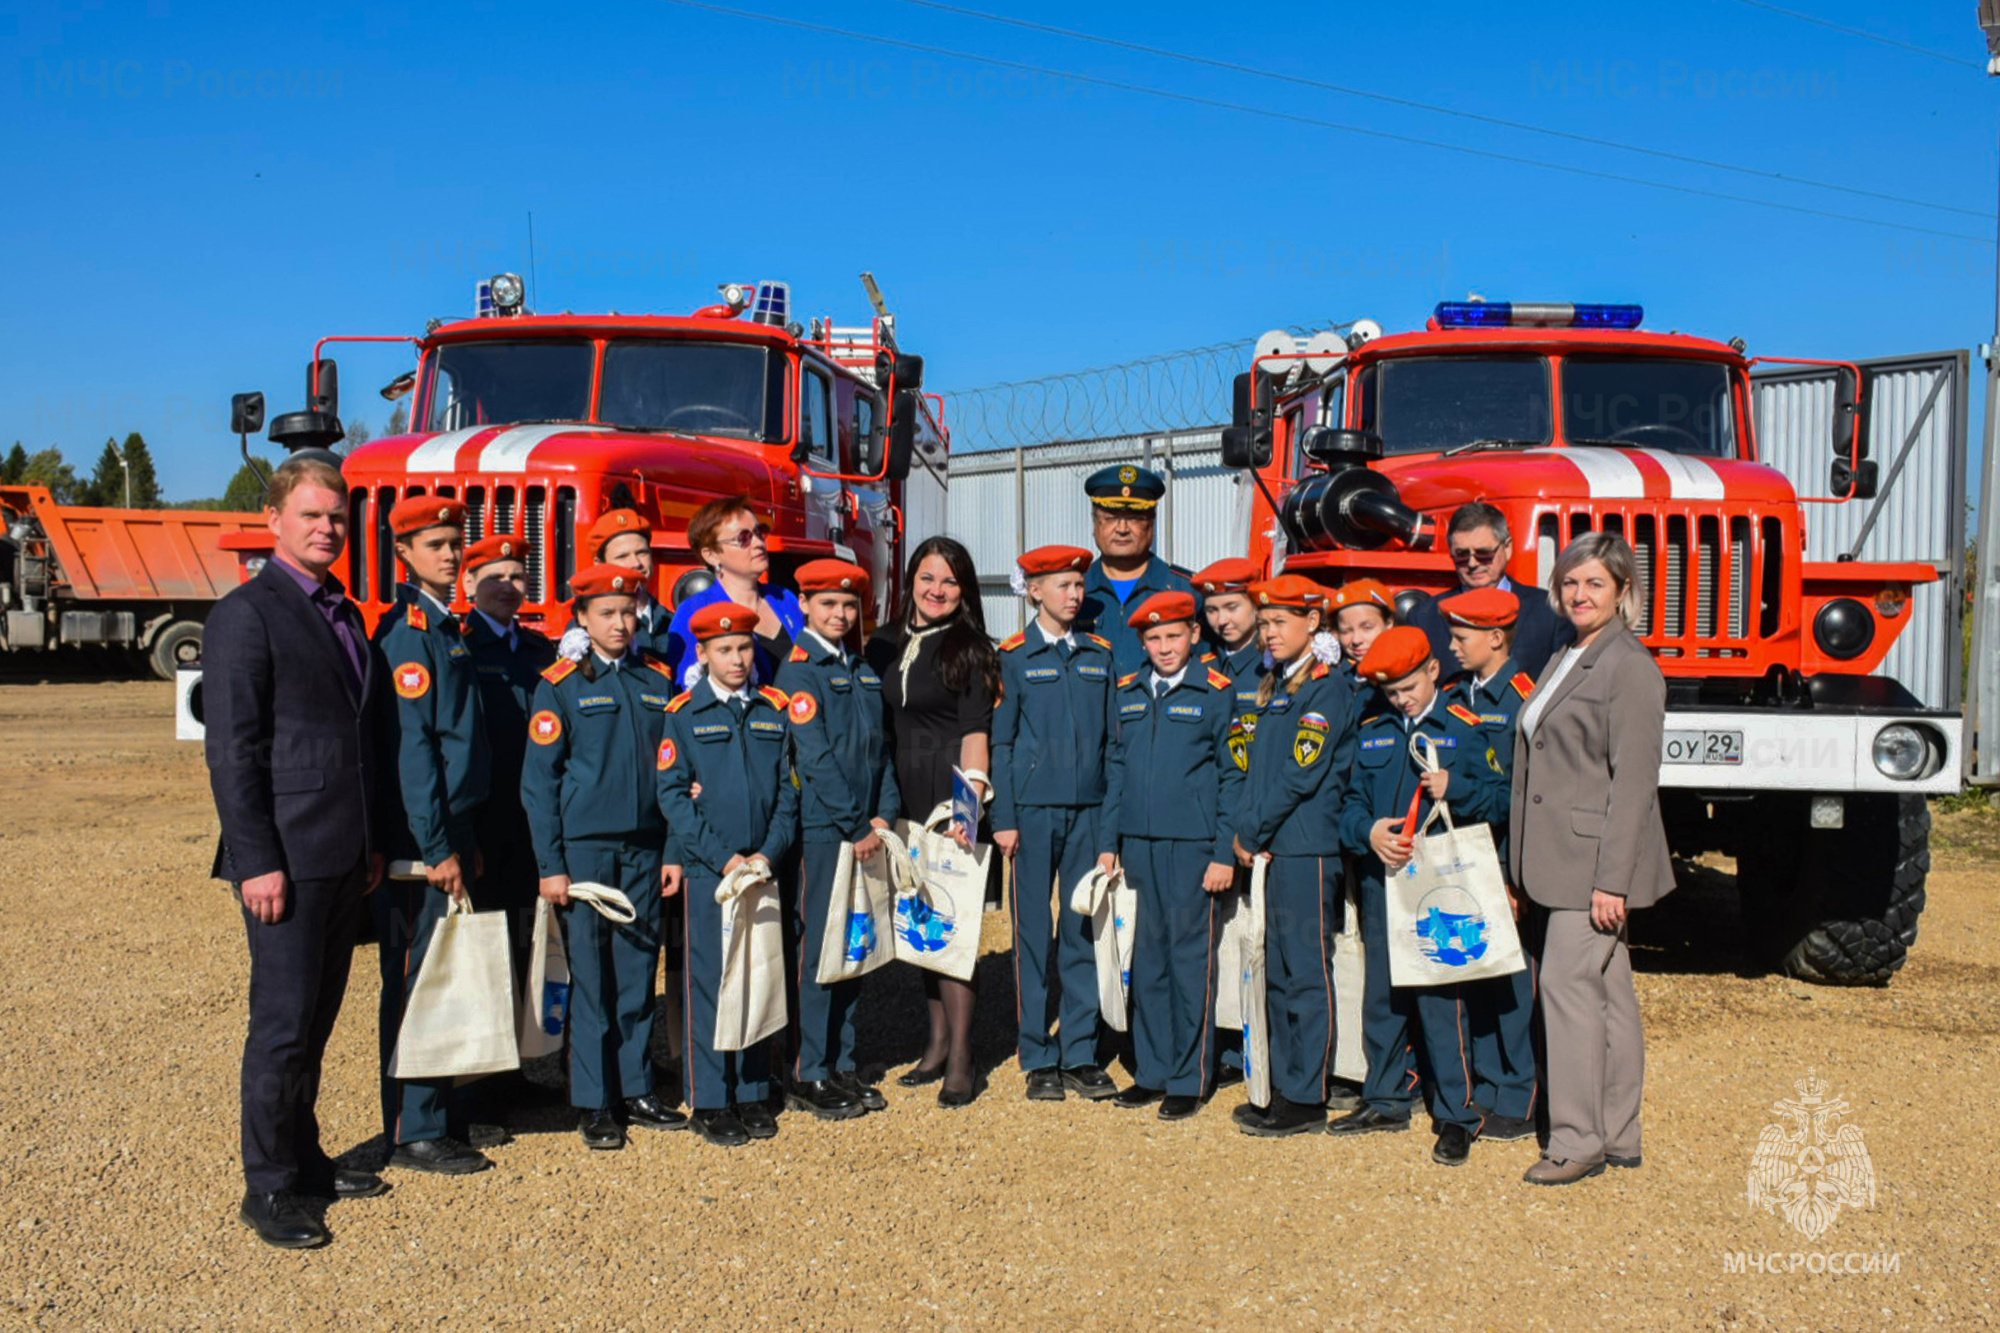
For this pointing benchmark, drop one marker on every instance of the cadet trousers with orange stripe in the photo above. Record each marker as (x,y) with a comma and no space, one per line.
(1172,1003)
(1440,1014)
(711,1079)
(611,969)
(1298,973)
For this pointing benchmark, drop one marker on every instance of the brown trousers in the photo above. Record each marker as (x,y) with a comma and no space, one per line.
(1596,1063)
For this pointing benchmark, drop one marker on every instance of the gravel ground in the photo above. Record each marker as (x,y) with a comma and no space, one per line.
(119,1180)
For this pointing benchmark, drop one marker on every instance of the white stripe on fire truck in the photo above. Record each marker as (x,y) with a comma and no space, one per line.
(1609,474)
(440,452)
(509,450)
(1687,478)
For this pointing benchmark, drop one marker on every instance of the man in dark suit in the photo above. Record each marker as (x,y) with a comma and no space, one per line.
(1481,547)
(293,704)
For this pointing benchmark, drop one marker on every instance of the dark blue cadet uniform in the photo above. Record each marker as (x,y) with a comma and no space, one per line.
(1169,810)
(1105,615)
(1506,1076)
(1245,668)
(1247,660)
(593,738)
(443,765)
(1049,737)
(738,750)
(510,666)
(1385,779)
(841,753)
(1300,754)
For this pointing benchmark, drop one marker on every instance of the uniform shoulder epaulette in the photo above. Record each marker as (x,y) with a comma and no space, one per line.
(417,618)
(558,671)
(1218,681)
(1523,683)
(657,665)
(799,654)
(1013,641)
(1320,670)
(1123,681)
(1371,720)
(775,697)
(1099,640)
(679,701)
(1465,715)
(1206,657)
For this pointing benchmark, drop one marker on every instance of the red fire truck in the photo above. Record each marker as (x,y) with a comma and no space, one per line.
(540,423)
(1785,747)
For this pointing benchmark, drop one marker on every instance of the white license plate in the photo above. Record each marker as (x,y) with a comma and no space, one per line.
(1703,747)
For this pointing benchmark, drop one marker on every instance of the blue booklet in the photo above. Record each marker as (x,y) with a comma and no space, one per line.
(964,806)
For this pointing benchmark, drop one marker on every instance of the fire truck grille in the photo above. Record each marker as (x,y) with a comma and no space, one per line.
(1711,583)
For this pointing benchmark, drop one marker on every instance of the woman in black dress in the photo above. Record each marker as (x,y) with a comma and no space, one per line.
(940,680)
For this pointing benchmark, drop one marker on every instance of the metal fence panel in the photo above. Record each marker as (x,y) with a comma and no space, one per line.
(1917,427)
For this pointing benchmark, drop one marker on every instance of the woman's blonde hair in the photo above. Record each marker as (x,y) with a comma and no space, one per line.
(1610,550)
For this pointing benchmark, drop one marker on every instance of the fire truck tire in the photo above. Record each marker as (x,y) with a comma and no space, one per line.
(1837,907)
(178,643)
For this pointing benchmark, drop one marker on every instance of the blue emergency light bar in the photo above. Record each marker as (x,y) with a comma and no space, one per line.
(773,304)
(1536,315)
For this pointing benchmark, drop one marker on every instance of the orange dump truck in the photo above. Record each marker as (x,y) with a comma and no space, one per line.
(122,579)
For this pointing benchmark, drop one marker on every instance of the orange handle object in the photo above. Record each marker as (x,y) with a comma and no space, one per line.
(1410,820)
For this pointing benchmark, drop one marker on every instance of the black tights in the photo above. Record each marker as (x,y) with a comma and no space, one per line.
(950,1003)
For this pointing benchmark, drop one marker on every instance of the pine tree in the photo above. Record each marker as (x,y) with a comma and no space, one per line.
(246,488)
(17,464)
(145,479)
(45,467)
(106,487)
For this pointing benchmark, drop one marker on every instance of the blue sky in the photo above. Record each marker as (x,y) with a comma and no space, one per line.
(197,192)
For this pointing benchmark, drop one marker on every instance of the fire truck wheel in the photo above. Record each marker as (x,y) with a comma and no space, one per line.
(1838,907)
(178,643)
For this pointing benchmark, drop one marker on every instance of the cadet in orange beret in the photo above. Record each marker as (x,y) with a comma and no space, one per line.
(1405,702)
(1493,688)
(593,744)
(1231,615)
(624,537)
(1362,609)
(444,768)
(1049,735)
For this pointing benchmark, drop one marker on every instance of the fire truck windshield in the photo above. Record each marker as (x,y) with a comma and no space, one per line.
(494,383)
(696,388)
(1433,403)
(1662,403)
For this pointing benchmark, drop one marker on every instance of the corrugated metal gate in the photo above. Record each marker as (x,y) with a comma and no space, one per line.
(1917,429)
(1005,501)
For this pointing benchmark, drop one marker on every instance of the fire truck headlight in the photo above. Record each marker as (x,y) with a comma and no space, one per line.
(1843,629)
(507,291)
(1901,752)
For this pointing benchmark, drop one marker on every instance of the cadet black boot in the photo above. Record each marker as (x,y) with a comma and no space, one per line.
(825,1099)
(1287,1118)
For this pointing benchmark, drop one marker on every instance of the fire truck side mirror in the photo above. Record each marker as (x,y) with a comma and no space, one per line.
(907,369)
(323,396)
(1246,441)
(1853,476)
(903,417)
(246,413)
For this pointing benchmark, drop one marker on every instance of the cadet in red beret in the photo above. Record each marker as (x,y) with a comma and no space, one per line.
(444,769)
(730,737)
(1049,734)
(623,537)
(1232,615)
(594,741)
(1362,609)
(1389,790)
(847,794)
(509,658)
(1493,689)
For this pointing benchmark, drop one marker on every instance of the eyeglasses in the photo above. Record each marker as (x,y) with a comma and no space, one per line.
(742,538)
(1474,555)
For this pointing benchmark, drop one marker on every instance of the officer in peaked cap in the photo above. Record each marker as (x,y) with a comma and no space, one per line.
(1123,500)
(444,767)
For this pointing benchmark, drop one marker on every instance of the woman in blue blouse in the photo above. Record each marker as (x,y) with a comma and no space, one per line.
(733,541)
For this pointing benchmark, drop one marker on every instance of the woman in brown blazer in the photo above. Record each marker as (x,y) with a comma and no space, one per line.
(1586,843)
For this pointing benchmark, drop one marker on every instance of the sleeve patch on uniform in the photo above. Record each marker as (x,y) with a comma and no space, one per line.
(413,680)
(667,756)
(804,707)
(1493,761)
(1308,746)
(545,727)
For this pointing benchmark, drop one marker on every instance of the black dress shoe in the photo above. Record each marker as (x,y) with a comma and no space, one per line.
(1368,1120)
(341,1184)
(1341,1098)
(1090,1083)
(601,1130)
(921,1075)
(1286,1119)
(870,1097)
(952,1100)
(721,1128)
(443,1156)
(825,1099)
(1249,1113)
(653,1113)
(280,1219)
(1179,1106)
(1507,1129)
(488,1136)
(1454,1145)
(756,1119)
(1135,1097)
(1045,1085)
(1228,1076)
